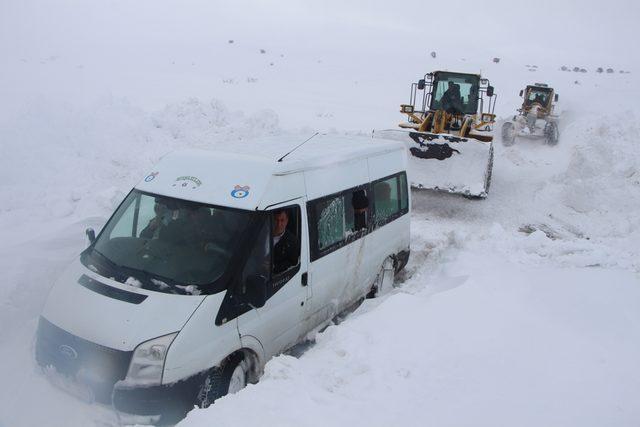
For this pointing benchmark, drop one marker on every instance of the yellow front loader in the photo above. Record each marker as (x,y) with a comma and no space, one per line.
(449,133)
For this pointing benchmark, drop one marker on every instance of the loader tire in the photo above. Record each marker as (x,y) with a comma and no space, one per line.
(551,134)
(508,134)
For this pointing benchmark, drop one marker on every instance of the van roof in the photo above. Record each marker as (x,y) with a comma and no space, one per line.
(313,151)
(212,176)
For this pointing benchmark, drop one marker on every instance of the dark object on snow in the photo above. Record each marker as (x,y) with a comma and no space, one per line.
(263,51)
(609,70)
(496,60)
(576,82)
(583,70)
(230,41)
(621,72)
(576,69)
(599,70)
(564,68)
(433,54)
(434,151)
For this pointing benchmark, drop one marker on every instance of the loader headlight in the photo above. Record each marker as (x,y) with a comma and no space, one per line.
(147,363)
(407,109)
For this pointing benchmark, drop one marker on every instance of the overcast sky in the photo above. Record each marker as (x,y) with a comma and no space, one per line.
(573,28)
(157,51)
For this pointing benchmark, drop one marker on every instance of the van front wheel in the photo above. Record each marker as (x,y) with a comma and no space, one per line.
(220,381)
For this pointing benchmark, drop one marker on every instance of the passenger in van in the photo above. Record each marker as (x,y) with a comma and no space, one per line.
(285,245)
(152,230)
(360,203)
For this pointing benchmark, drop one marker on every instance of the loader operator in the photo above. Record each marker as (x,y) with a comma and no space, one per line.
(451,101)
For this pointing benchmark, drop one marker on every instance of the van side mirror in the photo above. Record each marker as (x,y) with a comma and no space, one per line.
(520,93)
(91,235)
(255,290)
(421,84)
(555,97)
(489,91)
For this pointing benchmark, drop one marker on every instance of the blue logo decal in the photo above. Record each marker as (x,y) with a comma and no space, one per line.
(151,176)
(240,192)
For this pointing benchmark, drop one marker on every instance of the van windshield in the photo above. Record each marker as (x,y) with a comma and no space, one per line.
(167,245)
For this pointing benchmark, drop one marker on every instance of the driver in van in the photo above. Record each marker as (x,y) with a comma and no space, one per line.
(285,244)
(152,230)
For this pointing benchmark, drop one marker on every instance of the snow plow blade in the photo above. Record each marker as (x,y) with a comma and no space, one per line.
(446,162)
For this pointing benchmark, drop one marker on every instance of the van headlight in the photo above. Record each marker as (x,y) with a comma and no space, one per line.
(147,362)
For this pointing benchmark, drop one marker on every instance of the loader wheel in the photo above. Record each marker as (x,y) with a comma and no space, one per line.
(551,133)
(508,134)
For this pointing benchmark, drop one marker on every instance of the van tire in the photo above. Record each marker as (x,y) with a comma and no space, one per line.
(219,381)
(384,280)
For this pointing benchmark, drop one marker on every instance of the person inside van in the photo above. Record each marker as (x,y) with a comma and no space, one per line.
(285,244)
(360,204)
(152,230)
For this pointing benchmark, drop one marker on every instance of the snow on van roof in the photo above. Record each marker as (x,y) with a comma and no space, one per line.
(309,151)
(238,175)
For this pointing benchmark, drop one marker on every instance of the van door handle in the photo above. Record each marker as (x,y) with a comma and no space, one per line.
(304,279)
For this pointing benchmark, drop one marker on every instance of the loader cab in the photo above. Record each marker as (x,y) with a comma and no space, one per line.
(460,94)
(538,94)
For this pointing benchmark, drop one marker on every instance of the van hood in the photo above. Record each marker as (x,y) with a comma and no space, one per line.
(112,314)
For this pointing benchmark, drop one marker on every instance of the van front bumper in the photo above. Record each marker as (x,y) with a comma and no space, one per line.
(164,404)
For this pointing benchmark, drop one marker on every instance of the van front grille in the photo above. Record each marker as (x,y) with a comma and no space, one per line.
(82,361)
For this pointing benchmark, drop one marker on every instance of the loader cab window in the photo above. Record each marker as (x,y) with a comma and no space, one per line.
(537,97)
(455,93)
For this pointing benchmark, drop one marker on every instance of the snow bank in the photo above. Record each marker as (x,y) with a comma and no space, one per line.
(481,345)
(64,162)
(62,170)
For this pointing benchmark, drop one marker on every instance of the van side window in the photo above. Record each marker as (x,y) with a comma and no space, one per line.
(390,198)
(285,236)
(404,197)
(387,200)
(329,214)
(337,220)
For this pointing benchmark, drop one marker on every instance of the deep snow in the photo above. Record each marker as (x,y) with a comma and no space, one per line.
(522,309)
